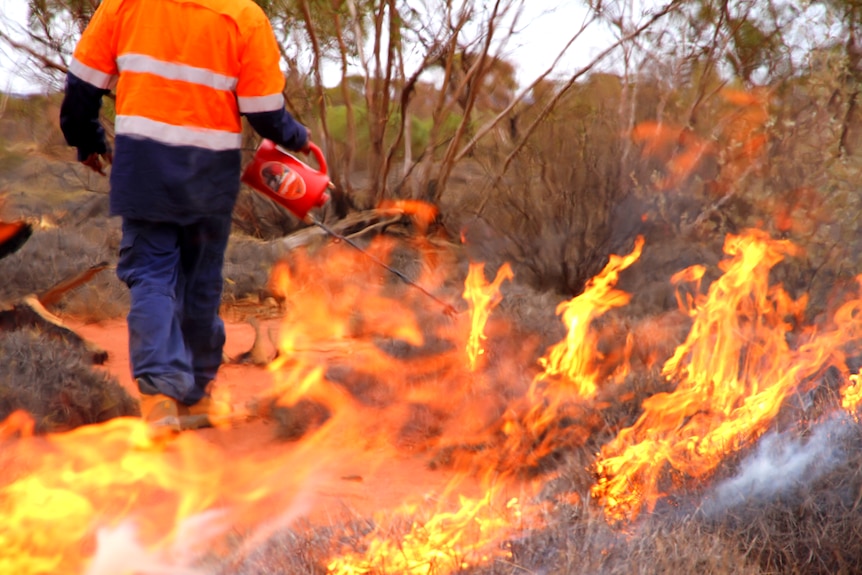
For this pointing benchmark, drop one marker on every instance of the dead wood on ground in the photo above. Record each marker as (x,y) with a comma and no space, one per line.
(30,313)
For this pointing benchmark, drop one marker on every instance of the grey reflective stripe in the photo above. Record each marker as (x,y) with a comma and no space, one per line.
(177,135)
(172,71)
(260,103)
(91,75)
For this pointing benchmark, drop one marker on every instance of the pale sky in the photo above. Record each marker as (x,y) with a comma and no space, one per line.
(547,26)
(15,11)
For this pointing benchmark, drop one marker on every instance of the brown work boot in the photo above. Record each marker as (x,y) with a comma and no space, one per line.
(160,411)
(207,412)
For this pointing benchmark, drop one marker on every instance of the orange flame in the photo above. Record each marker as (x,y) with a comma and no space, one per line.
(344,315)
(575,360)
(411,539)
(740,134)
(446,542)
(572,371)
(69,489)
(422,213)
(733,372)
(482,298)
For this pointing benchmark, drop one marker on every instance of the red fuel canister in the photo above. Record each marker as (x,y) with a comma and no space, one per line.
(291,183)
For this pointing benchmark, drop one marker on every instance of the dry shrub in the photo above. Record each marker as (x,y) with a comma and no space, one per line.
(578,540)
(551,214)
(33,120)
(82,235)
(54,382)
(54,255)
(247,266)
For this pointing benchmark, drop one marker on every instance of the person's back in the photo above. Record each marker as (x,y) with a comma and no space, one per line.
(185,70)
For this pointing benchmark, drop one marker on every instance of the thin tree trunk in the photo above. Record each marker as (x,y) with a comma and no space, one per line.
(350,148)
(473,77)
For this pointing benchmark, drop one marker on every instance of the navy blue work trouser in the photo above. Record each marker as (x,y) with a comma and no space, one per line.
(174,274)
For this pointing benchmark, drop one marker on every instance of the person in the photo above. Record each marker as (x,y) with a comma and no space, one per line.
(184,73)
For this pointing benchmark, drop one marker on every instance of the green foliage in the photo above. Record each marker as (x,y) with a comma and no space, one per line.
(753,38)
(336,118)
(335,95)
(420,129)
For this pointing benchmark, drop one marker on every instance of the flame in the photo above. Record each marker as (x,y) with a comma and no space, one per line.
(482,298)
(743,136)
(576,360)
(658,137)
(571,372)
(848,320)
(422,213)
(732,373)
(851,394)
(73,495)
(331,321)
(445,542)
(323,307)
(737,142)
(681,149)
(70,489)
(344,314)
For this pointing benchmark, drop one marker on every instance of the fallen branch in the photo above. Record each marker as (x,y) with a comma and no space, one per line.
(352,227)
(30,313)
(54,294)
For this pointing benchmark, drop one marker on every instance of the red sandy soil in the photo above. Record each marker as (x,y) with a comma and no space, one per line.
(354,488)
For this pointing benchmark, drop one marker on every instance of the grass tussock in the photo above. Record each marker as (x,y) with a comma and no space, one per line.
(56,384)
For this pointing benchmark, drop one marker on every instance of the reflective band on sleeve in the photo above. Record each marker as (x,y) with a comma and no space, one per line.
(171,71)
(91,75)
(251,105)
(177,135)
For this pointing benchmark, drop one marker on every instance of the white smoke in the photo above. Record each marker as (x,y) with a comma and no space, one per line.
(781,462)
(119,552)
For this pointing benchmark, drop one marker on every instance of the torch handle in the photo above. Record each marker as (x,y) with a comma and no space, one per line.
(319,157)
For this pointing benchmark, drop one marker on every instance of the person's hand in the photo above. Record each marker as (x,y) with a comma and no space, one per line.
(306,149)
(94,161)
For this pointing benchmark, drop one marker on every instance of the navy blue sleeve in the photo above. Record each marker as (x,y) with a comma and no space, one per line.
(79,117)
(280,127)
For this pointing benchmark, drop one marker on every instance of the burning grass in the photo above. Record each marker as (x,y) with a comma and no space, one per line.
(631,444)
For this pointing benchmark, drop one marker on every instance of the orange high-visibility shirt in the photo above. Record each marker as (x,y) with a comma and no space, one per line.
(177,91)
